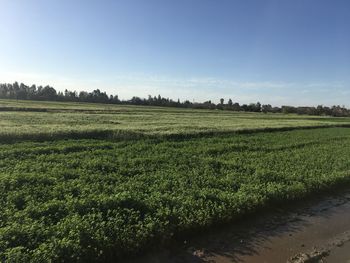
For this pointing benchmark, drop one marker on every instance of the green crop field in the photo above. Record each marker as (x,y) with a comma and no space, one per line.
(45,120)
(89,182)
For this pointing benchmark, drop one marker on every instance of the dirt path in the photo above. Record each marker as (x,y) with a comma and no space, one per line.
(315,231)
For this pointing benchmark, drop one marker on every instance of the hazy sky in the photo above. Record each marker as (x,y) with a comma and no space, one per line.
(274,51)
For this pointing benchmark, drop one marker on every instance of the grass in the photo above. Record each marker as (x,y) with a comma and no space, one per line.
(86,199)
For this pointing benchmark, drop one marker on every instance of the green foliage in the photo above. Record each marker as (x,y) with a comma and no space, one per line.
(97,200)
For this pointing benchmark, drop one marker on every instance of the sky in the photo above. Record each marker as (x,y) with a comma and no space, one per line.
(282,52)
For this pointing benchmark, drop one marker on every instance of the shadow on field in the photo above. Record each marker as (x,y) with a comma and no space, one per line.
(115,134)
(254,237)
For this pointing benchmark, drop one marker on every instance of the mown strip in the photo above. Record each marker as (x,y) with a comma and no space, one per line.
(97,200)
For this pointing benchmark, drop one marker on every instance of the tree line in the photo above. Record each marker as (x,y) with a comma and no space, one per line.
(47,93)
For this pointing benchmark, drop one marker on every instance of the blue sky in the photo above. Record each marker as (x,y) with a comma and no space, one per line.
(293,52)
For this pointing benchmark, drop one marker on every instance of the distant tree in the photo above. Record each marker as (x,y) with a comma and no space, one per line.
(288,109)
(47,93)
(236,106)
(244,107)
(32,92)
(83,96)
(258,107)
(266,108)
(22,92)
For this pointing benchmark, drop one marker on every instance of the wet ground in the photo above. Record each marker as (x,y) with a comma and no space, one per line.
(316,230)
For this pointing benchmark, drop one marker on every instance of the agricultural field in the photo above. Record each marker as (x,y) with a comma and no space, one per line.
(52,120)
(71,192)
